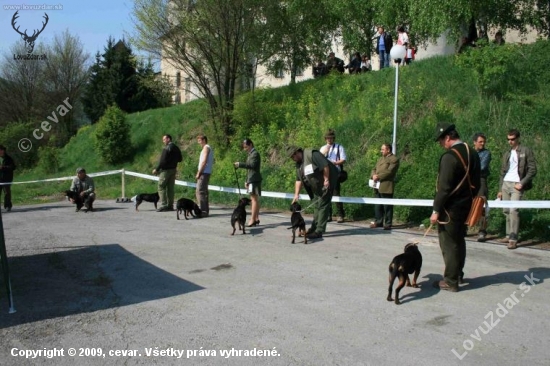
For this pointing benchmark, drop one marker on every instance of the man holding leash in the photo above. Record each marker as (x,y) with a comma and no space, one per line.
(318,176)
(452,201)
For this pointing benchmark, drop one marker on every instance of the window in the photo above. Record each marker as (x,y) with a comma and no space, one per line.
(178,79)
(299,71)
(279,74)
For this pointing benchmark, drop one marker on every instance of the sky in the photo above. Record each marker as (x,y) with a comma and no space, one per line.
(92,21)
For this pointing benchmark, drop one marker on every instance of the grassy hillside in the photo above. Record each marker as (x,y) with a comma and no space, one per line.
(489,90)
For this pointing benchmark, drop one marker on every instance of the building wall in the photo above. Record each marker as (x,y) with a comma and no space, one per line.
(186,91)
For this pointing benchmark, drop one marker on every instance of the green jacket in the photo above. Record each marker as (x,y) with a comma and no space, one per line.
(451,172)
(253,164)
(527,167)
(313,183)
(386,169)
(86,185)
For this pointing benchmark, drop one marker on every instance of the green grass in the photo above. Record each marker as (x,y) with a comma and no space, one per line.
(479,98)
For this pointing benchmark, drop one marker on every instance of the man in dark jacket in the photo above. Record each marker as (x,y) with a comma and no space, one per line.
(7,167)
(457,182)
(166,169)
(318,176)
(516,176)
(384,44)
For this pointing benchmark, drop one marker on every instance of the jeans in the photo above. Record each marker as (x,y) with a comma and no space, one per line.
(384,59)
(509,193)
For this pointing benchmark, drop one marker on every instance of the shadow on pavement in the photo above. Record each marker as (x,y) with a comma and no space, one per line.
(82,280)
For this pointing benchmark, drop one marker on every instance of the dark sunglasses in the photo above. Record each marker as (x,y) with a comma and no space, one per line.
(513,139)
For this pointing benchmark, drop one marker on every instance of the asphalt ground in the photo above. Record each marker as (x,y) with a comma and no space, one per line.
(120,287)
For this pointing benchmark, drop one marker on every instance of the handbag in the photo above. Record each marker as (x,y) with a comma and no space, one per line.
(342,174)
(478,202)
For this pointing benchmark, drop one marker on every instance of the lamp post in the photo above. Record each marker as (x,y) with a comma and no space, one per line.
(396,52)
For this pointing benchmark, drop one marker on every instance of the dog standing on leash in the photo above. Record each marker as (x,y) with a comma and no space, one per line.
(402,266)
(187,207)
(239,215)
(147,197)
(297,222)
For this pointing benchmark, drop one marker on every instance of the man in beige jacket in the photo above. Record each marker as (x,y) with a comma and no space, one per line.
(384,172)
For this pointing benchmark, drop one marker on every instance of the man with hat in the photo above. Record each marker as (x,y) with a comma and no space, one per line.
(84,187)
(458,182)
(7,166)
(337,156)
(318,176)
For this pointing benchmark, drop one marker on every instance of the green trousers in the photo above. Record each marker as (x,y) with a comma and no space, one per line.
(321,212)
(167,182)
(453,248)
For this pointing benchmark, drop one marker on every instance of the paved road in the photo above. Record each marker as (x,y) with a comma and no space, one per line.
(138,283)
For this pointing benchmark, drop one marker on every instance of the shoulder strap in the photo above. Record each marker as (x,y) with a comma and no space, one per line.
(467,168)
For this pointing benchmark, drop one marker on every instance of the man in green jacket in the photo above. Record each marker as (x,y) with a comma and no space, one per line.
(384,172)
(458,167)
(318,176)
(516,176)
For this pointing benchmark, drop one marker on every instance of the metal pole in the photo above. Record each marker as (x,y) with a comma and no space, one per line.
(123,193)
(394,144)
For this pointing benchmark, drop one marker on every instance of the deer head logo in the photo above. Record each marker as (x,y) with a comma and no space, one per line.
(29,40)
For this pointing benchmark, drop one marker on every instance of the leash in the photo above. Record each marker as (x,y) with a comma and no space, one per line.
(325,191)
(237,180)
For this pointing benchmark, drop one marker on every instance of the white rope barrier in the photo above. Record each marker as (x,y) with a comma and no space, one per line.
(305,197)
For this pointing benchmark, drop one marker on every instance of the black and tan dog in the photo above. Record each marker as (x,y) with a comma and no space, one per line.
(187,207)
(402,266)
(297,222)
(147,197)
(239,215)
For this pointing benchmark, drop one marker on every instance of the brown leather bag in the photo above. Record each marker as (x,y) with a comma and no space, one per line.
(478,202)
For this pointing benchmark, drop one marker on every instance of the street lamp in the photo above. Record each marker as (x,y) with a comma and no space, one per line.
(397,52)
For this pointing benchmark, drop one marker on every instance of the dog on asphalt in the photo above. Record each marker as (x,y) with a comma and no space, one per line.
(239,215)
(297,222)
(147,197)
(187,207)
(402,266)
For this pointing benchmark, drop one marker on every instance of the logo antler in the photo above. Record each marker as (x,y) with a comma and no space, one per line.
(29,40)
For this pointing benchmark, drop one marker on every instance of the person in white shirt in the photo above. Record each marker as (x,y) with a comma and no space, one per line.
(337,155)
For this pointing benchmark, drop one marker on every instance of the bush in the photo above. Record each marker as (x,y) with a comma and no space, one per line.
(112,136)
(48,159)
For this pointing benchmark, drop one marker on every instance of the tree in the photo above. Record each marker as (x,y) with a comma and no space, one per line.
(295,34)
(117,78)
(22,87)
(66,71)
(112,136)
(206,39)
